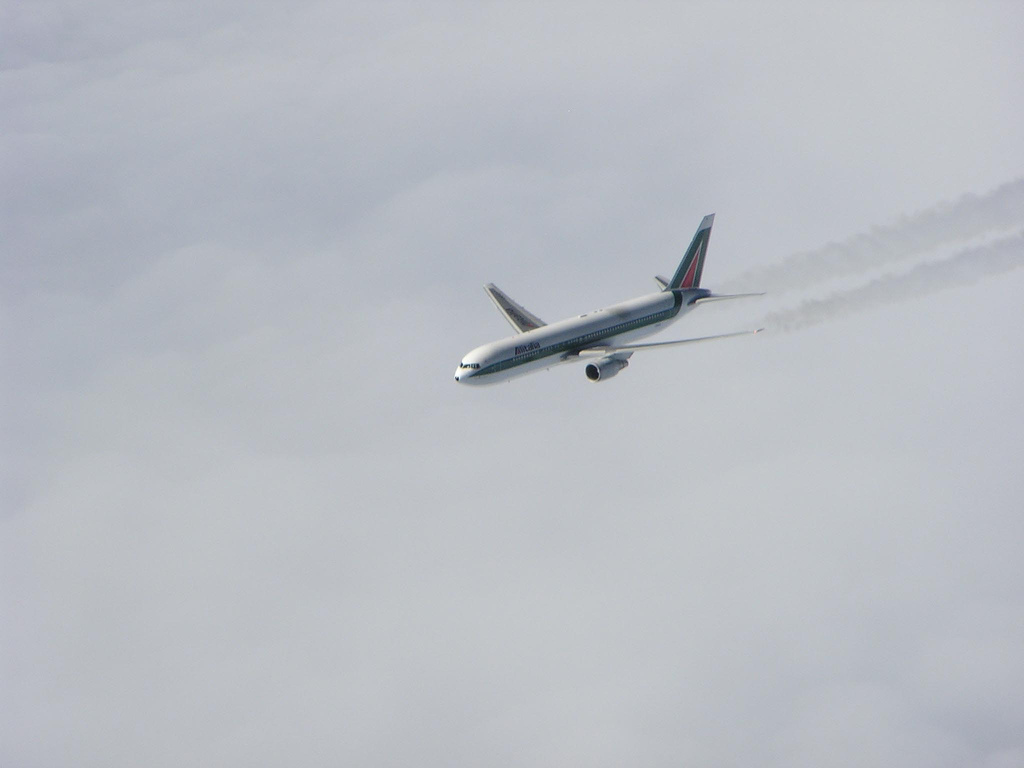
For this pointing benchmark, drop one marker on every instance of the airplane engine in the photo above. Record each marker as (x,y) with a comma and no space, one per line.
(605,368)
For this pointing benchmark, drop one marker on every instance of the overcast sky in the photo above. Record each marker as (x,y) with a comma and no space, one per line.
(248,518)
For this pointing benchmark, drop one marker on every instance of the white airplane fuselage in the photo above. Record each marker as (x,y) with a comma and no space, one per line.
(560,342)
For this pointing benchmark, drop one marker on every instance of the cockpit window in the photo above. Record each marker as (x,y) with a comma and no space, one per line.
(469,365)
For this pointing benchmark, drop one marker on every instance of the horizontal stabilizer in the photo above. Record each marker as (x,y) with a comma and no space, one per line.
(600,351)
(661,281)
(725,297)
(518,317)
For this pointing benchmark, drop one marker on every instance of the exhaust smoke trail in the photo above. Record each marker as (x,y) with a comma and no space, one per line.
(964,268)
(970,216)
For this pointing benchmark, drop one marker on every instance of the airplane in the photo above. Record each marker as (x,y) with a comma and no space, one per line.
(606,337)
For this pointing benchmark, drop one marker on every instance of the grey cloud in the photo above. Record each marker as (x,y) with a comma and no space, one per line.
(247,517)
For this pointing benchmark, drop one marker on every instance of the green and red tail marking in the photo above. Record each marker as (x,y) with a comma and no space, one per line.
(690,268)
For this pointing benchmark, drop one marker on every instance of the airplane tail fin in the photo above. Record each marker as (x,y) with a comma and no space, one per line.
(690,268)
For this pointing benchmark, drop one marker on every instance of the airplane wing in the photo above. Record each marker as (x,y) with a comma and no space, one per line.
(611,350)
(517,316)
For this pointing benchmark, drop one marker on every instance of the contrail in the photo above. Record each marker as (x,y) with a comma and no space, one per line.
(964,268)
(968,217)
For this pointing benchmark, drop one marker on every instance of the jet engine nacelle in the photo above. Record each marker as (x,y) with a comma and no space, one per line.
(605,368)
